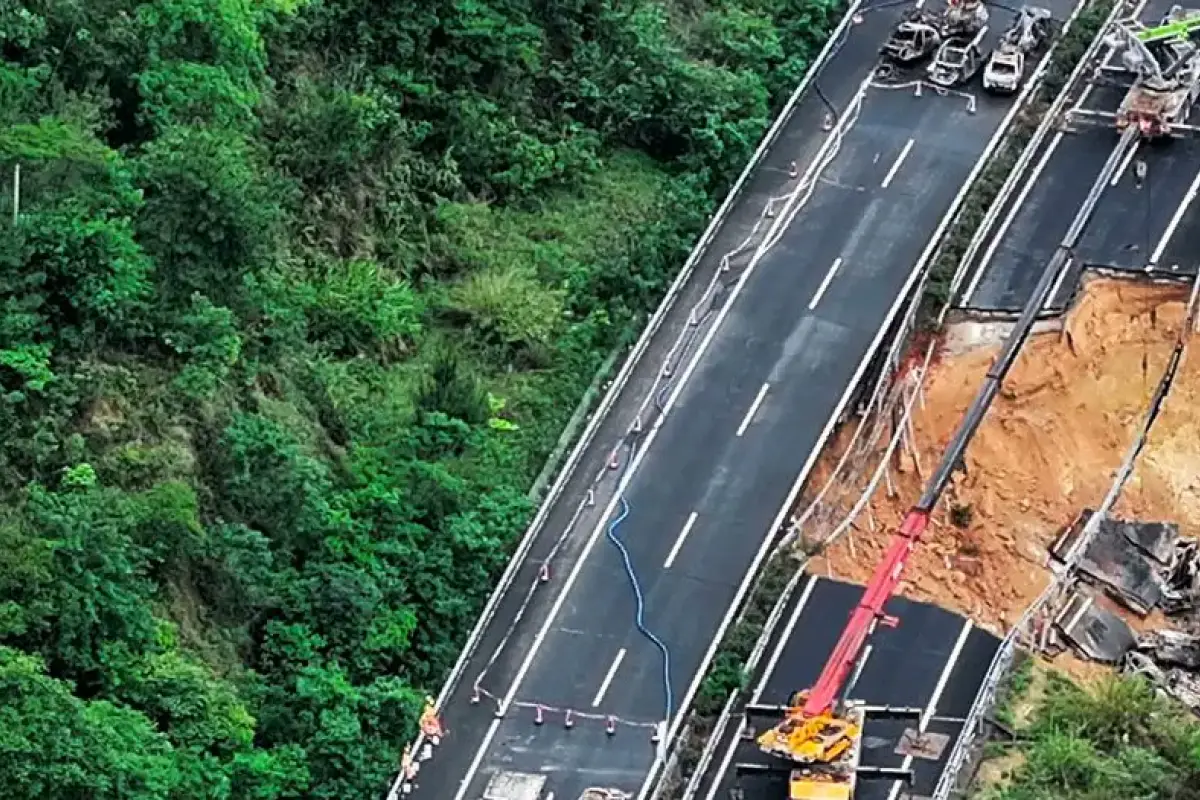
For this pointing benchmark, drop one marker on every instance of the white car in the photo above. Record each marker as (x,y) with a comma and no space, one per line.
(1004,71)
(956,62)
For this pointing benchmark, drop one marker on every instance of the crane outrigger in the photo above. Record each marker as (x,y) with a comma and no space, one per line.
(819,738)
(1159,67)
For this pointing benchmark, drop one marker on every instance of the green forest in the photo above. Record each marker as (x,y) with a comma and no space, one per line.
(297,298)
(1116,739)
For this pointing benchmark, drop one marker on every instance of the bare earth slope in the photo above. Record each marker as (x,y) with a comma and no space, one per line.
(1047,449)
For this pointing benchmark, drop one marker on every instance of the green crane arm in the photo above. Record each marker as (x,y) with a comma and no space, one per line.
(1183,29)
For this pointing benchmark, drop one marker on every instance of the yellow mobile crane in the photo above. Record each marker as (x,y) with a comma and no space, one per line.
(819,737)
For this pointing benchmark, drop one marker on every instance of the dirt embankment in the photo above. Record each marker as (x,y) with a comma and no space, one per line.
(1047,449)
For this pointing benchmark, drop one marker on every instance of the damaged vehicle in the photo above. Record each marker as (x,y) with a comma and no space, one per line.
(914,39)
(1168,659)
(1029,33)
(957,61)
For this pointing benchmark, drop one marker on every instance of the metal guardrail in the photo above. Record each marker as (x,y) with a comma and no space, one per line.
(1025,631)
(619,382)
(905,331)
(1005,654)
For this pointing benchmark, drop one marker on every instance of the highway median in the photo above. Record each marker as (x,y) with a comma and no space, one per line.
(726,686)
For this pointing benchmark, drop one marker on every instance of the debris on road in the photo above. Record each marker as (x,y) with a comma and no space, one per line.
(1125,558)
(1176,682)
(1095,632)
(1046,450)
(1182,590)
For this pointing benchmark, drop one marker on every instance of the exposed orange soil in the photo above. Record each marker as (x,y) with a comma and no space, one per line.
(1047,449)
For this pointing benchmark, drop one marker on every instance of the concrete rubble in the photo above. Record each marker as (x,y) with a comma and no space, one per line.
(1093,631)
(1124,558)
(1047,448)
(1142,567)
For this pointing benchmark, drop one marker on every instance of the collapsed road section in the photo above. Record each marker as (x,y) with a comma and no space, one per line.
(985,555)
(813,745)
(578,685)
(1046,452)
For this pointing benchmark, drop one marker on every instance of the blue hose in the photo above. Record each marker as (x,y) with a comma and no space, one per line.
(639,619)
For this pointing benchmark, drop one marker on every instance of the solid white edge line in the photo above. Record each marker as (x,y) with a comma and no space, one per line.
(687,528)
(833,268)
(1058,282)
(1022,196)
(914,275)
(944,679)
(784,637)
(608,678)
(768,670)
(603,519)
(830,424)
(750,412)
(730,751)
(1009,218)
(862,662)
(936,697)
(630,471)
(1176,218)
(1124,165)
(632,359)
(891,174)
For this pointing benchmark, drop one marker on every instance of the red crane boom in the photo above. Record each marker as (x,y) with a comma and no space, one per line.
(869,610)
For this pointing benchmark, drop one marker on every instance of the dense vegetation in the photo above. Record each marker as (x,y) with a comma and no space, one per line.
(297,297)
(1116,741)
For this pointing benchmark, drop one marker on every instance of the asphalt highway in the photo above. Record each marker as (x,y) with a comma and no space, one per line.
(747,417)
(1131,220)
(934,661)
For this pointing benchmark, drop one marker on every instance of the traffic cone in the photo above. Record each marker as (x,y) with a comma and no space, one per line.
(827,123)
(569,720)
(475,695)
(591,498)
(610,726)
(792,170)
(538,717)
(544,572)
(613,460)
(637,424)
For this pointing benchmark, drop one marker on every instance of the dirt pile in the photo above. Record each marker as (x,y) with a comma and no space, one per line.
(1048,448)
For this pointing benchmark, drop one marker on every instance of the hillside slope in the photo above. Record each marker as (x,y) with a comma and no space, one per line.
(297,298)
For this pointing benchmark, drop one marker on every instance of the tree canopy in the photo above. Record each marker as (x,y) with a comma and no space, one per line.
(296,300)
